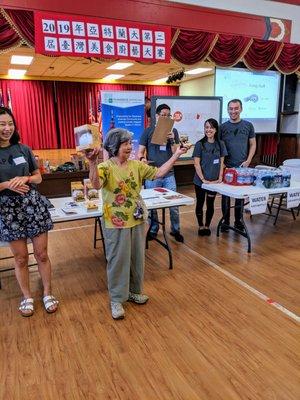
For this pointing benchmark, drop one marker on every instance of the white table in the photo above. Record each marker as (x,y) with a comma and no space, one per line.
(154,200)
(243,193)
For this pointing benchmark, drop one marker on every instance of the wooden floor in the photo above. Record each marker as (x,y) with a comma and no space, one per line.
(202,336)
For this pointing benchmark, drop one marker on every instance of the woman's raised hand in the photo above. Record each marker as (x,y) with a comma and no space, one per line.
(92,154)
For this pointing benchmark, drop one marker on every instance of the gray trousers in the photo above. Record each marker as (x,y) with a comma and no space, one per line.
(125,255)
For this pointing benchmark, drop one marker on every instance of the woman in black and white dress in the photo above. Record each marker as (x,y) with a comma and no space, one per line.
(23,213)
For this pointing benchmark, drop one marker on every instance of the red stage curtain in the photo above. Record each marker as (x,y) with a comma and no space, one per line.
(33,106)
(8,37)
(73,109)
(229,50)
(161,90)
(24,23)
(193,46)
(262,54)
(289,59)
(269,145)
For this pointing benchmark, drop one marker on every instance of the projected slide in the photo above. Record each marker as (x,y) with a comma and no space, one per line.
(259,92)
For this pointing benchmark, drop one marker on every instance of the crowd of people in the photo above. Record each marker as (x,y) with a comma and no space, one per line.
(24,214)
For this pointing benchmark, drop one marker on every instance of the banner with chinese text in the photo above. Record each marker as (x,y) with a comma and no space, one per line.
(124,109)
(72,35)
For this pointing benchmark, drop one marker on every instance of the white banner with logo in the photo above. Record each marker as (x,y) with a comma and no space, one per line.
(258,203)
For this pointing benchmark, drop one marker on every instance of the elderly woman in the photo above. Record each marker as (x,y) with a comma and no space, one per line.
(124,215)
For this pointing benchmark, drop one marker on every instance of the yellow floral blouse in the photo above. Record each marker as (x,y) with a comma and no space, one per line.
(121,188)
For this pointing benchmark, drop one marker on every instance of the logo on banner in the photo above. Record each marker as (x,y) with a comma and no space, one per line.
(258,203)
(61,35)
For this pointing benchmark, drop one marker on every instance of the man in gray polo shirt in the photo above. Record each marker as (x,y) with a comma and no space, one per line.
(157,155)
(239,138)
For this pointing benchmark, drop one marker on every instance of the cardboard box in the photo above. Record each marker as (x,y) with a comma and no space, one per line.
(87,137)
(163,126)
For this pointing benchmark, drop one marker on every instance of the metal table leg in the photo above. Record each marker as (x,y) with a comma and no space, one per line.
(244,232)
(99,223)
(164,243)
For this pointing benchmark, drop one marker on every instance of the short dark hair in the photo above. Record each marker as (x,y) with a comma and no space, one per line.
(235,101)
(15,138)
(162,107)
(114,138)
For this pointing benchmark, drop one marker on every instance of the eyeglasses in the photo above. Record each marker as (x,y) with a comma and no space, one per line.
(165,115)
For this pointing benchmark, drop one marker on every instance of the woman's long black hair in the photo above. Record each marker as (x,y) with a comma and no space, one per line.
(214,123)
(15,136)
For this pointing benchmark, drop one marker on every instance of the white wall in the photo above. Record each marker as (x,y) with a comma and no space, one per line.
(257,7)
(198,87)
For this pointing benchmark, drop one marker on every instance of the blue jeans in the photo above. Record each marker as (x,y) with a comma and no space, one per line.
(167,182)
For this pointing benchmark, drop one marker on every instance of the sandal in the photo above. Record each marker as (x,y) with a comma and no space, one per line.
(26,307)
(50,301)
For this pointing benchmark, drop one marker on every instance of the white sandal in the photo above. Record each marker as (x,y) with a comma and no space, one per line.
(26,307)
(50,301)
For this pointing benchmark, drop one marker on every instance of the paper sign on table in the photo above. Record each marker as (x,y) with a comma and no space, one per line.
(163,127)
(258,203)
(293,198)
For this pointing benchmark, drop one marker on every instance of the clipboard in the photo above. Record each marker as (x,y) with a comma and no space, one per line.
(163,127)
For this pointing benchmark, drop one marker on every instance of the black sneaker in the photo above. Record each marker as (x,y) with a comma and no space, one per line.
(201,232)
(239,226)
(207,232)
(178,236)
(224,228)
(151,236)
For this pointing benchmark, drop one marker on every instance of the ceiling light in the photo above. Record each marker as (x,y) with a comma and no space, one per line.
(120,65)
(113,77)
(16,73)
(197,71)
(21,60)
(161,80)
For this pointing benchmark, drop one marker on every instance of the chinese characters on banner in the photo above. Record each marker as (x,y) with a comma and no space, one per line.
(68,35)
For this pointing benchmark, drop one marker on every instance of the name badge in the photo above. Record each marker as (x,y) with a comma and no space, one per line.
(216,161)
(19,160)
(163,148)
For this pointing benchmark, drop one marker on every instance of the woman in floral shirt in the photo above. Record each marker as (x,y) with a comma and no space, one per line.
(124,215)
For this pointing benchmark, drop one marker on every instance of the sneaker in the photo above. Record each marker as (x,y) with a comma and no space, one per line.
(151,236)
(178,236)
(201,232)
(138,298)
(224,228)
(117,310)
(207,232)
(238,225)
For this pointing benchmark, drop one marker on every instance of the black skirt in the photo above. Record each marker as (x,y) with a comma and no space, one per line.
(24,216)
